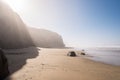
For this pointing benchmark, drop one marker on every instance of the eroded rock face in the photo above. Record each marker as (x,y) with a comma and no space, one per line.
(46,39)
(4,72)
(13,32)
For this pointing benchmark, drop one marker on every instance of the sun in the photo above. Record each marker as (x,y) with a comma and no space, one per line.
(16,5)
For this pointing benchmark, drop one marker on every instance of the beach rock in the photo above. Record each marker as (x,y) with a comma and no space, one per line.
(82,53)
(46,39)
(72,54)
(4,72)
(13,31)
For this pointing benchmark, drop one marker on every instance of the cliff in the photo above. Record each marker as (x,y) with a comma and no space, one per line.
(13,32)
(46,39)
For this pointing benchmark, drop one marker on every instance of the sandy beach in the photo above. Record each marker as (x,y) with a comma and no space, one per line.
(53,64)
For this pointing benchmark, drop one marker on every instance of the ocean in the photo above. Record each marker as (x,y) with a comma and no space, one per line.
(104,55)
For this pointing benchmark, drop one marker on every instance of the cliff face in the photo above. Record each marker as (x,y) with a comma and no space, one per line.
(13,32)
(46,39)
(4,72)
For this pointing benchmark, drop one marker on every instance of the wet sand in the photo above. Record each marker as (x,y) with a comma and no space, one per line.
(53,64)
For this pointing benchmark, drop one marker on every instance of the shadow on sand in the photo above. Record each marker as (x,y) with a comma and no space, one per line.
(18,58)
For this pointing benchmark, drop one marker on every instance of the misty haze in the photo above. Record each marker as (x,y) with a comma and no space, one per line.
(59,40)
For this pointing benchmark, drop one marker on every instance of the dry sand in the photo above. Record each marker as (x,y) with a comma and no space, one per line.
(53,64)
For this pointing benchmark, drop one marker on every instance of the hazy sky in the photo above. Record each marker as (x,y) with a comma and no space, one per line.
(80,22)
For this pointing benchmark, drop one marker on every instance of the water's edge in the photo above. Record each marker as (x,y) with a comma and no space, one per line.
(109,56)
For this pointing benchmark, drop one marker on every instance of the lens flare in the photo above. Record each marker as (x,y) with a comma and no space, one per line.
(16,5)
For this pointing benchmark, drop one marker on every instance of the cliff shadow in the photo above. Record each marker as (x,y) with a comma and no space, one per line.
(17,58)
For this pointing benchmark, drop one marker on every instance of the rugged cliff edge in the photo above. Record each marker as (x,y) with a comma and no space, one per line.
(46,39)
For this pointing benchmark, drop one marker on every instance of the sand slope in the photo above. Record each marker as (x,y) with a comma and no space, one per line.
(53,64)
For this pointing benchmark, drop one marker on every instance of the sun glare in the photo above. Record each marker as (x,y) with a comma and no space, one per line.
(16,5)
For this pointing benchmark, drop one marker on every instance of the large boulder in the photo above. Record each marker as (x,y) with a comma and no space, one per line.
(13,31)
(71,54)
(4,72)
(46,39)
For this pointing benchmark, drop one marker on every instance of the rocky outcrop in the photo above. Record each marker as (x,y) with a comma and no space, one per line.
(13,32)
(4,72)
(46,39)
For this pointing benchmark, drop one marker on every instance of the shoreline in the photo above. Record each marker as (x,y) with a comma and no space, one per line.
(107,56)
(54,64)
